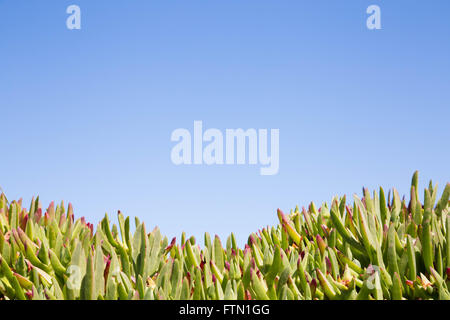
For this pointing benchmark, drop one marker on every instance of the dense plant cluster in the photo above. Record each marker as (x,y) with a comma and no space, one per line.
(378,247)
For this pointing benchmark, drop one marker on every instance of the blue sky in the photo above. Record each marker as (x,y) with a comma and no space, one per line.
(87,114)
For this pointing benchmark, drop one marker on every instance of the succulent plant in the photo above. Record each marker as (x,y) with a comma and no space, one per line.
(375,248)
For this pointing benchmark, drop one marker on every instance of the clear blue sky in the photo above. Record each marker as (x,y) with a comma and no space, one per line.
(86,115)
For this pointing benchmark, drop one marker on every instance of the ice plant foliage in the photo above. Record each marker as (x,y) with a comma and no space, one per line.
(378,247)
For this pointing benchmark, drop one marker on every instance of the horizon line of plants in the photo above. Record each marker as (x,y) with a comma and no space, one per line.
(376,248)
